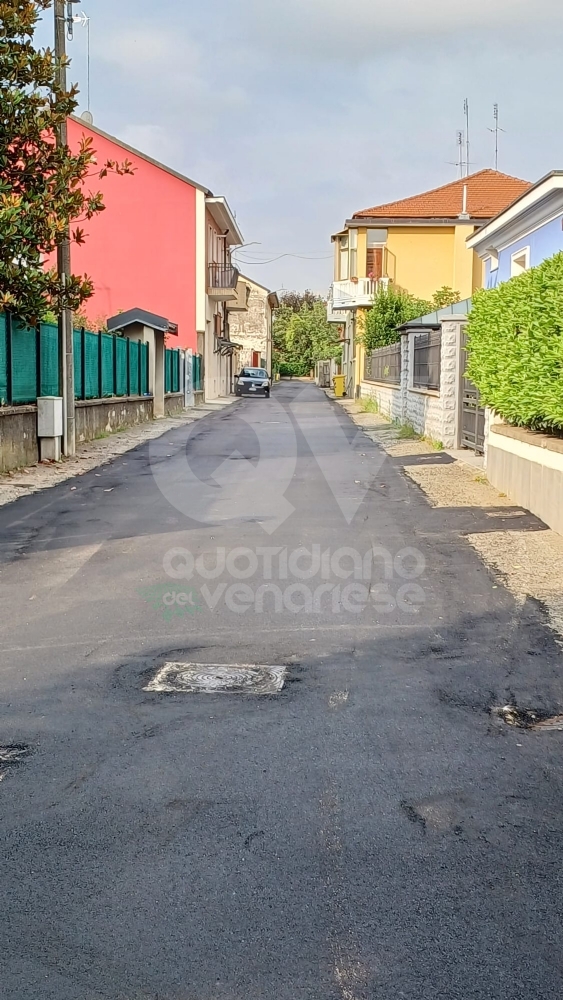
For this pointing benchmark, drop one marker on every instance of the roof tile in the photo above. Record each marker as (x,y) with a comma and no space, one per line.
(488,193)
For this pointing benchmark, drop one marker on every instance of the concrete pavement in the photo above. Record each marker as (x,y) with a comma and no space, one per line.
(369,832)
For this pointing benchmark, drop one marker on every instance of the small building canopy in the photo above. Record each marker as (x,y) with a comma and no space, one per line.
(144,318)
(432,321)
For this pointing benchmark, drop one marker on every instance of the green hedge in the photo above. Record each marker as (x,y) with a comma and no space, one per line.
(515,345)
(294,368)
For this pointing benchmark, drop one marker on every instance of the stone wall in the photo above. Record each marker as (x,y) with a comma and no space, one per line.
(18,437)
(251,329)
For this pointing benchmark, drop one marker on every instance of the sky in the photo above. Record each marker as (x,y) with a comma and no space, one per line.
(302,112)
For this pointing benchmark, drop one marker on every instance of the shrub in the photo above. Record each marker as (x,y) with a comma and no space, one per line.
(293,368)
(515,345)
(391,308)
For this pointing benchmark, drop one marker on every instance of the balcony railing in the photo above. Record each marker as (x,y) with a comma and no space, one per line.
(222,276)
(356,292)
(331,315)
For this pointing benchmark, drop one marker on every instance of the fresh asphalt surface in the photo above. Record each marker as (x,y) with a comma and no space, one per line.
(370,832)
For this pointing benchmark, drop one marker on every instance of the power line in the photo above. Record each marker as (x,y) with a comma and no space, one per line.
(271,260)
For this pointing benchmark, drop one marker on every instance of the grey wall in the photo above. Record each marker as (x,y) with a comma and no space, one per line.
(95,417)
(18,437)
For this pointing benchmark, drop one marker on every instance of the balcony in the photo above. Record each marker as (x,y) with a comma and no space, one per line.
(354,293)
(240,302)
(338,316)
(222,282)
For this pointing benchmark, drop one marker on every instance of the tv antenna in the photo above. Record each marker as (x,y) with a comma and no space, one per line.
(495,130)
(460,143)
(466,113)
(84,20)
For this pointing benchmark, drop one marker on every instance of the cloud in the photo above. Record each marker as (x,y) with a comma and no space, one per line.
(358,29)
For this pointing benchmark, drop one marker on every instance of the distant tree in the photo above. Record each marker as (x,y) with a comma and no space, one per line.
(444,296)
(297,300)
(302,336)
(42,185)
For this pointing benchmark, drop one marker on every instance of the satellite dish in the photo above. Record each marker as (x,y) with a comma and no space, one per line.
(87,117)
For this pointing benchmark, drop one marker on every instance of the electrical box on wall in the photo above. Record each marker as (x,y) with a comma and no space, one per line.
(49,417)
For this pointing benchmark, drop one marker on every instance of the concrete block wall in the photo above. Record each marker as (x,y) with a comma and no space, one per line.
(96,417)
(388,398)
(18,437)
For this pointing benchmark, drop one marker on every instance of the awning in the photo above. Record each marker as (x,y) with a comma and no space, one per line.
(225,347)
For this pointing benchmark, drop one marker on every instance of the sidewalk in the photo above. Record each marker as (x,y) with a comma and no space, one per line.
(92,454)
(528,562)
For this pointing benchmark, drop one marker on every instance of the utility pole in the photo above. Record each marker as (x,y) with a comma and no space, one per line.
(63,252)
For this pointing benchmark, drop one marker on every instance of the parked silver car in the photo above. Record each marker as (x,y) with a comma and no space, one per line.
(253,382)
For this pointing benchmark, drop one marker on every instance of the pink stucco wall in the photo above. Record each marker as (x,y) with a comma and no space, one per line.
(141,251)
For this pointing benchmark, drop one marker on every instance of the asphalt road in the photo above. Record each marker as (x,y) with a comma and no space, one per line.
(369,832)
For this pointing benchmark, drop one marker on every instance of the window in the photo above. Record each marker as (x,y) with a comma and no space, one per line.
(353,254)
(519,262)
(377,237)
(376,240)
(343,267)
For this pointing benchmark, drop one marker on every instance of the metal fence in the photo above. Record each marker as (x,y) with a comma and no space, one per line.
(198,373)
(384,365)
(427,357)
(106,365)
(172,370)
(29,361)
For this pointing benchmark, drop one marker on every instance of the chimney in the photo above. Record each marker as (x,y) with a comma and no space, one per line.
(464,214)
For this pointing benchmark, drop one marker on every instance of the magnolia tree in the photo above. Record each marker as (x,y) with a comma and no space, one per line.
(44,188)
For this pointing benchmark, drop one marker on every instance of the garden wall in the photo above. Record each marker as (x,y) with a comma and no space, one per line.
(528,467)
(97,417)
(432,412)
(18,437)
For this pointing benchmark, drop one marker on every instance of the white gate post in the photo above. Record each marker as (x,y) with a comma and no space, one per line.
(189,397)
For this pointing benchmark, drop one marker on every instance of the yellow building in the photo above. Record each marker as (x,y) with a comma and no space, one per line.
(418,244)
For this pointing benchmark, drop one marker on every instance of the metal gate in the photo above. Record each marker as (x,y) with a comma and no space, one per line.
(324,374)
(472,414)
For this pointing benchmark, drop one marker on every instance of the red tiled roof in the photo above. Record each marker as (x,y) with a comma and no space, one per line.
(488,193)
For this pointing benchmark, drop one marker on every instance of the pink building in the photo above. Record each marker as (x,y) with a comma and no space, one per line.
(141,252)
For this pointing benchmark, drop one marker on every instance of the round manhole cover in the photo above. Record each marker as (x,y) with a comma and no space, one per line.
(217,678)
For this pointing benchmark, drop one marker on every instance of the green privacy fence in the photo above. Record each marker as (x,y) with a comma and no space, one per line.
(29,361)
(106,365)
(172,370)
(198,373)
